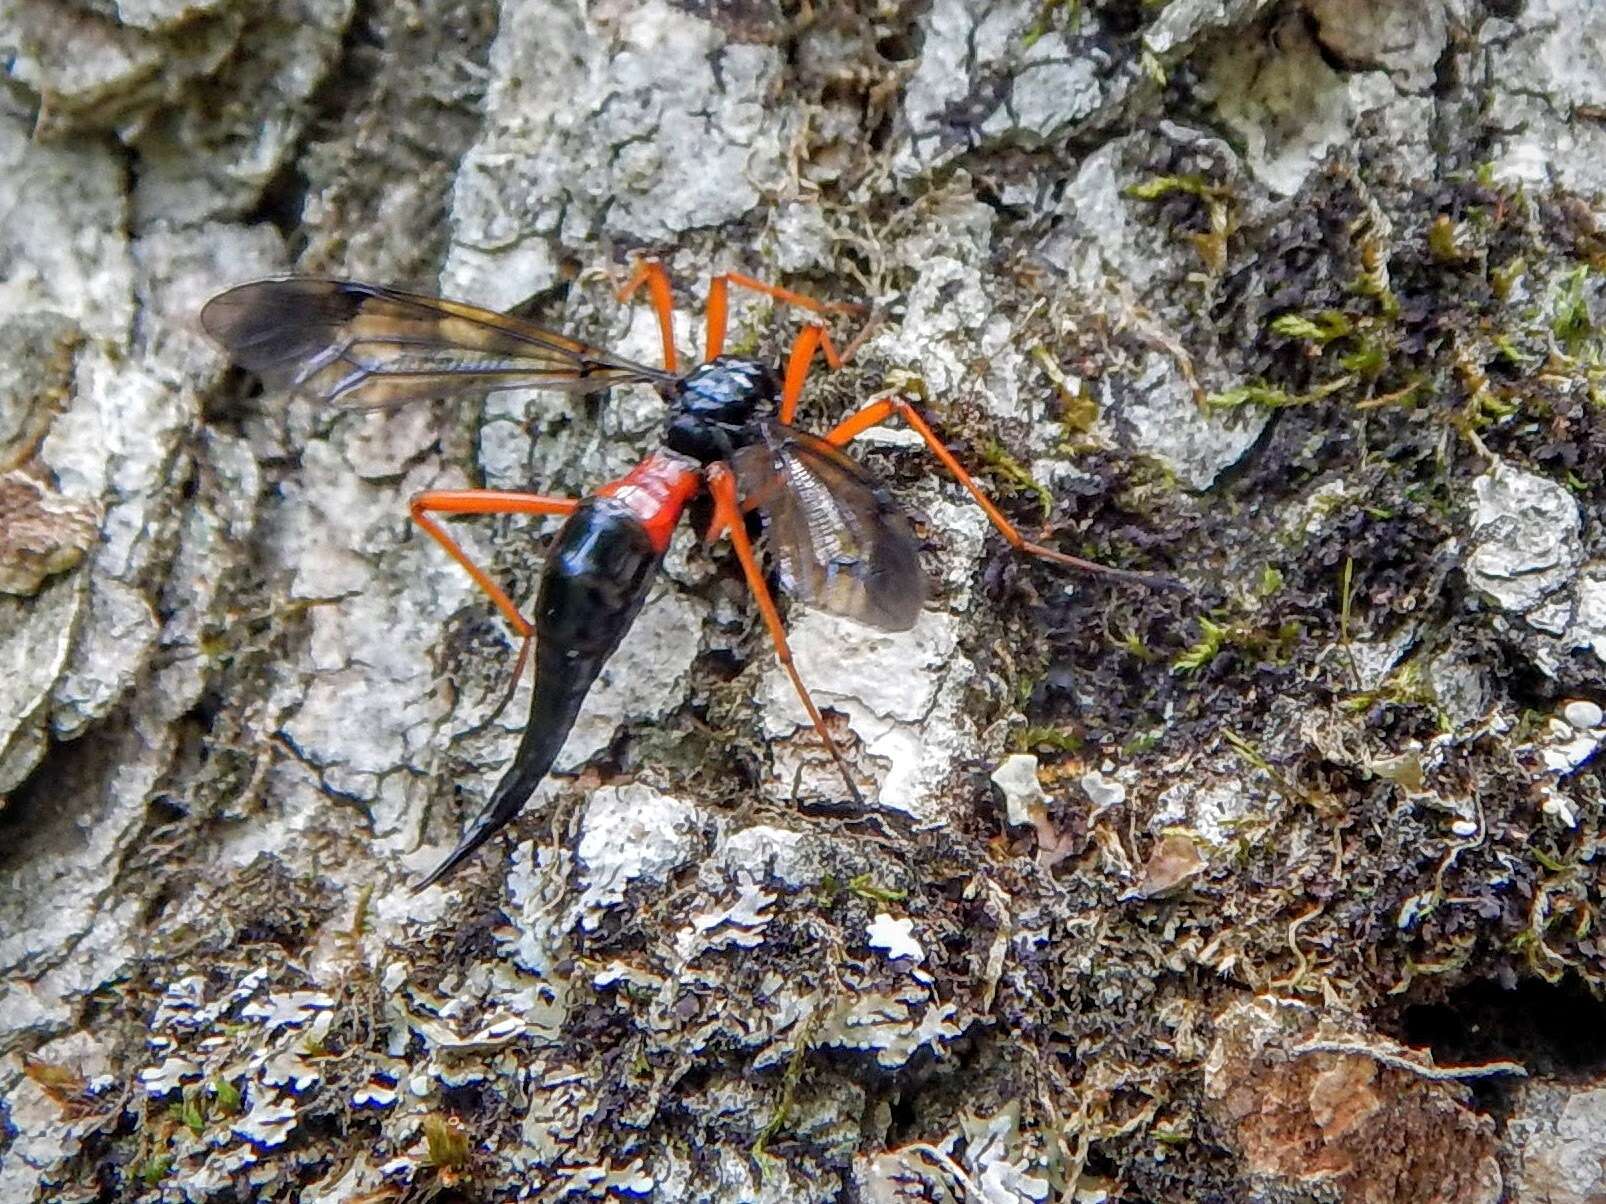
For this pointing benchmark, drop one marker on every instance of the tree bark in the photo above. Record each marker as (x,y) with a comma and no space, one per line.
(1281,886)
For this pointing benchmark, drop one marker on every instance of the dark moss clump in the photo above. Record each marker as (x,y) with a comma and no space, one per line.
(1400,337)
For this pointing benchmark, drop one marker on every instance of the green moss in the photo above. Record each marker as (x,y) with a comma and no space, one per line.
(1320,328)
(153,1170)
(1212,638)
(1367,359)
(1372,282)
(1050,739)
(1256,643)
(1078,408)
(1408,685)
(225,1097)
(1259,393)
(1346,598)
(189,1113)
(1509,353)
(1553,864)
(1211,243)
(865,886)
(1142,742)
(1157,187)
(1504,278)
(445,1142)
(789,1082)
(748,341)
(1044,21)
(1570,321)
(1443,241)
(1013,474)
(1131,643)
(1255,759)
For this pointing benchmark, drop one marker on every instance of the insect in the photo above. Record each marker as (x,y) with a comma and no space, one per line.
(837,539)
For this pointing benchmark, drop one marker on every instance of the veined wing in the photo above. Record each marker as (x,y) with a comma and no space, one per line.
(363,346)
(839,540)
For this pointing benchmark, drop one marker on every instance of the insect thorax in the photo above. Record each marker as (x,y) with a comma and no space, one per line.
(714,406)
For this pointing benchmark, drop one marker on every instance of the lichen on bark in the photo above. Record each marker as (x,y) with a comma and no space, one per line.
(1280,880)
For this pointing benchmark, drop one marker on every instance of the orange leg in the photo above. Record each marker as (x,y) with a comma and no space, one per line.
(877,412)
(719,305)
(651,273)
(483,501)
(810,339)
(728,514)
(487,501)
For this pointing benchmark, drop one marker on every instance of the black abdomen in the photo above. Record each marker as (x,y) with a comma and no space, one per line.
(597,575)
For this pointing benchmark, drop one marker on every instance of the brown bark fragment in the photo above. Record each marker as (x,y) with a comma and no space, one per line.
(42,533)
(1363,1132)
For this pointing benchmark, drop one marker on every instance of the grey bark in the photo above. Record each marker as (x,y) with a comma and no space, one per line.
(1160,896)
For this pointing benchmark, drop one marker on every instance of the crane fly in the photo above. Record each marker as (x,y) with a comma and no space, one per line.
(836,537)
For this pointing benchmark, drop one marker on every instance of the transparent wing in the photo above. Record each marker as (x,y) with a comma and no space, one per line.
(363,346)
(838,539)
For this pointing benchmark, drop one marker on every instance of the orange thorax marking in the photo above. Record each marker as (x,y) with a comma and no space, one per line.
(656,491)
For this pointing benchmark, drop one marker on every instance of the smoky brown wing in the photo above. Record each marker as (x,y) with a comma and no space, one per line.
(838,539)
(363,346)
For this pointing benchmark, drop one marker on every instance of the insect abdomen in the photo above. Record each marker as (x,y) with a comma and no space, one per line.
(597,575)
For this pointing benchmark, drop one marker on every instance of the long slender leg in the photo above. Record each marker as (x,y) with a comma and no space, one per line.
(877,412)
(651,273)
(487,501)
(719,305)
(483,501)
(810,339)
(728,513)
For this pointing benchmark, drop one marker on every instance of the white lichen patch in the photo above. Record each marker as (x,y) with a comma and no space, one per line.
(891,687)
(1587,625)
(1024,800)
(950,322)
(1002,1158)
(1156,411)
(1288,105)
(291,1069)
(1564,743)
(269,1123)
(169,1076)
(1102,789)
(677,138)
(52,189)
(632,834)
(294,1009)
(1209,800)
(763,851)
(1111,254)
(1582,714)
(1017,77)
(900,691)
(740,925)
(895,937)
(1543,64)
(1558,1129)
(35,638)
(1525,537)
(376,1093)
(892,1025)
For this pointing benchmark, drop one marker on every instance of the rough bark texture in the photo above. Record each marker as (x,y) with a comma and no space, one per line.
(1161,896)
